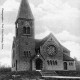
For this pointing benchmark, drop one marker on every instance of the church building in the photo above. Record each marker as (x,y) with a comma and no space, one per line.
(30,54)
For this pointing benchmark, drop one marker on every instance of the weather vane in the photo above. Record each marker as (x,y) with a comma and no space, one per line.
(2,40)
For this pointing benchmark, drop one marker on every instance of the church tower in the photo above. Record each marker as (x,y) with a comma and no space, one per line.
(23,44)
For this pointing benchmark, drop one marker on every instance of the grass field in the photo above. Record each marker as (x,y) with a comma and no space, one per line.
(6,74)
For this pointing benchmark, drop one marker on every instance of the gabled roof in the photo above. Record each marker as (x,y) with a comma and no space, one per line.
(42,41)
(37,56)
(65,49)
(67,58)
(25,10)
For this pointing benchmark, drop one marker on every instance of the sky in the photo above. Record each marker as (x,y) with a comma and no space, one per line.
(60,17)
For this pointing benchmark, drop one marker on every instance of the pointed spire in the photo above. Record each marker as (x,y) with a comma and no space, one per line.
(25,10)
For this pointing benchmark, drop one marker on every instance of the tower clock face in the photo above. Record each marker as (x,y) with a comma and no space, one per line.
(51,50)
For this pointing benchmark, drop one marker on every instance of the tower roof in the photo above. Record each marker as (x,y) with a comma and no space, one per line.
(25,10)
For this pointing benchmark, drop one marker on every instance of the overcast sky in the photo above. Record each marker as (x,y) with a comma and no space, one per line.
(61,17)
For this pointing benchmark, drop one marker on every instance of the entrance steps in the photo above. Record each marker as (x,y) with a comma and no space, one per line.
(48,73)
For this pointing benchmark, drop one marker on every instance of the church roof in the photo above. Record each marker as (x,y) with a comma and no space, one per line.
(65,49)
(42,41)
(25,10)
(67,58)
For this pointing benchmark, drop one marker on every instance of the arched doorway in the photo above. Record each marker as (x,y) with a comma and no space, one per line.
(65,65)
(39,64)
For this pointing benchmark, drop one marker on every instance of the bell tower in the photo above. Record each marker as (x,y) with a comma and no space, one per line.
(25,21)
(24,38)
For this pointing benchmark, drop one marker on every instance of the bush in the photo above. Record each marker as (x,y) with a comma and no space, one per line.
(3,70)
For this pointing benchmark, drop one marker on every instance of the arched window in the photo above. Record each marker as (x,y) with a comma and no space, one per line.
(55,62)
(16,65)
(65,65)
(27,54)
(28,30)
(70,63)
(48,62)
(24,30)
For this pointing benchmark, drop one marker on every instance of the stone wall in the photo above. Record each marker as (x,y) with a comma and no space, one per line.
(58,66)
(71,65)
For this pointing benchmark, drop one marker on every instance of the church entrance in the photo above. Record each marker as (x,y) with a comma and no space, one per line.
(39,64)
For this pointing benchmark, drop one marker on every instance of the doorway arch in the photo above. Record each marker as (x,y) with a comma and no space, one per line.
(39,64)
(65,65)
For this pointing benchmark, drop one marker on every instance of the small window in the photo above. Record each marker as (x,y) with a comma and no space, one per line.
(17,31)
(27,53)
(71,64)
(51,62)
(28,30)
(48,62)
(24,30)
(55,62)
(16,65)
(24,53)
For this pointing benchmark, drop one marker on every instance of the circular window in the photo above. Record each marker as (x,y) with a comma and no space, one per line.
(51,50)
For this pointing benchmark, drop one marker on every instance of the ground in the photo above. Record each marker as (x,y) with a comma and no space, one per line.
(35,75)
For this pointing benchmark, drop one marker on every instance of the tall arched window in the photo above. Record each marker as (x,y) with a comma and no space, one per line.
(48,62)
(16,65)
(24,30)
(28,30)
(51,62)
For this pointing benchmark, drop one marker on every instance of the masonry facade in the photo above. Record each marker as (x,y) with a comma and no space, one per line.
(30,54)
